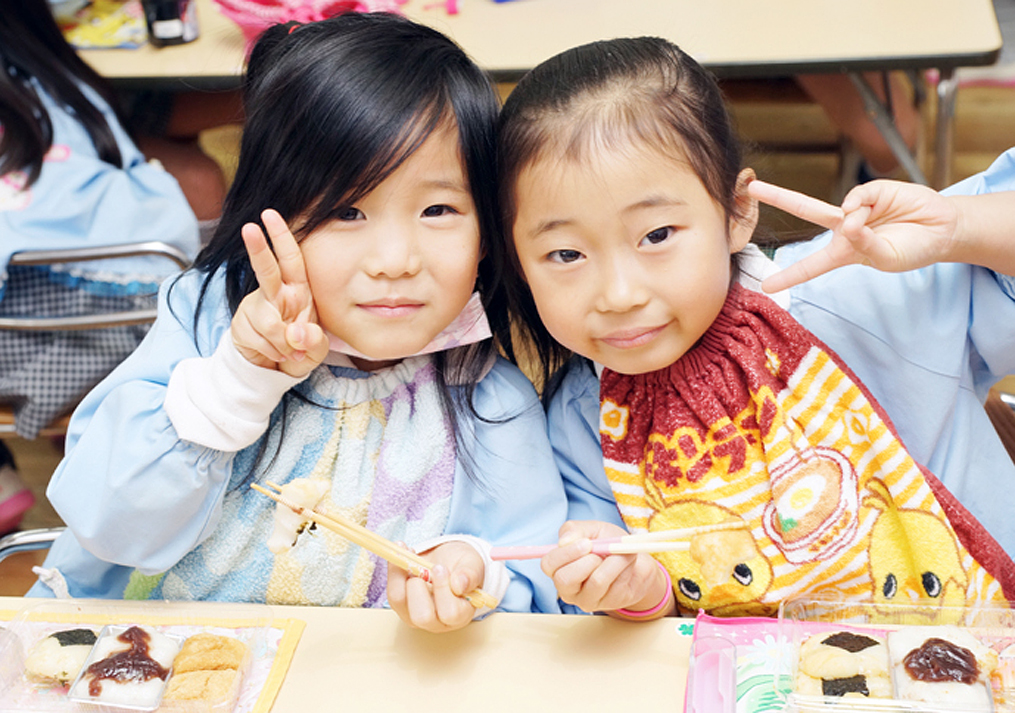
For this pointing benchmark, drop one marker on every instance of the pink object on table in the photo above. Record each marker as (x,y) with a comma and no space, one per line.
(450,5)
(712,678)
(255,16)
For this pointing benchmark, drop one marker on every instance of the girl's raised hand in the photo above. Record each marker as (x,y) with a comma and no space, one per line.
(275,326)
(438,606)
(890,225)
(595,583)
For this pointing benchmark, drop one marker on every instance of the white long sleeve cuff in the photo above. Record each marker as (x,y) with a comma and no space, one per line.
(496,576)
(223,401)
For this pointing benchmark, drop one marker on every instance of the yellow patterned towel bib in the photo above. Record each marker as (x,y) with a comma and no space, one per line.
(762,423)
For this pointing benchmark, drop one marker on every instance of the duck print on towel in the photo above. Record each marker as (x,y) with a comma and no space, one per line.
(760,422)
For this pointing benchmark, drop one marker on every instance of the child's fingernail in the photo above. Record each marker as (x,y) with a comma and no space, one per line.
(297,356)
(570,539)
(440,574)
(459,584)
(296,335)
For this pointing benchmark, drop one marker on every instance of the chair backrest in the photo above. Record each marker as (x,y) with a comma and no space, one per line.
(92,321)
(97,321)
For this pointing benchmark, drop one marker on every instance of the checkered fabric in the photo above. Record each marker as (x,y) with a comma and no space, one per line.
(44,374)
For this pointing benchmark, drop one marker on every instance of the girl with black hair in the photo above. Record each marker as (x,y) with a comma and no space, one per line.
(342,336)
(831,436)
(70,177)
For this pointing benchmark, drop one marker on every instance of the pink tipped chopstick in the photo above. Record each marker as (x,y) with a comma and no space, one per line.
(530,552)
(660,541)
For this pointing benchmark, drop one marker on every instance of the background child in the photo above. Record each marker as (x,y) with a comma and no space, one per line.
(352,351)
(701,402)
(70,177)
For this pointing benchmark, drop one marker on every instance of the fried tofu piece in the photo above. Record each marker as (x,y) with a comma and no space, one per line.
(209,652)
(210,686)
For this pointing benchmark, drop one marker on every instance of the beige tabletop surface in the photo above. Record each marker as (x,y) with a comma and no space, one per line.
(731,37)
(354,660)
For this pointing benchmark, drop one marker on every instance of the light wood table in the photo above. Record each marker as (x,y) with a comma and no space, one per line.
(733,38)
(360,660)
(368,660)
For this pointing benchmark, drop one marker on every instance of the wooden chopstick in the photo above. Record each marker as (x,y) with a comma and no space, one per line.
(388,551)
(659,541)
(372,542)
(414,564)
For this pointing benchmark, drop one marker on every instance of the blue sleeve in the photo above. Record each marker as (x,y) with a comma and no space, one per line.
(514,495)
(128,488)
(999,176)
(573,422)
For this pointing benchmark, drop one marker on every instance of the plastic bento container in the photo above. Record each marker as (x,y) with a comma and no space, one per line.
(712,676)
(142,687)
(249,624)
(961,658)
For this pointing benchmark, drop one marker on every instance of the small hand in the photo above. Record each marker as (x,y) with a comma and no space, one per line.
(890,225)
(438,606)
(595,583)
(276,326)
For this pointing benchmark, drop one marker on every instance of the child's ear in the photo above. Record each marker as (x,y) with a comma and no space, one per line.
(742,227)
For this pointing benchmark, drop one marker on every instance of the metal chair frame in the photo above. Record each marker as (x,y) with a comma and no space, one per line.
(28,541)
(94,321)
(97,321)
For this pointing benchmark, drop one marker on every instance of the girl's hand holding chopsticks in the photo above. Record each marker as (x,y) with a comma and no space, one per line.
(438,606)
(593,582)
(442,616)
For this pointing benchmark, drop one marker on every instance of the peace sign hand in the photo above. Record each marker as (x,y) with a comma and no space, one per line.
(890,225)
(275,326)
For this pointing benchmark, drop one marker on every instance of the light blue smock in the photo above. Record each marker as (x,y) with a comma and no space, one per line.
(136,496)
(81,201)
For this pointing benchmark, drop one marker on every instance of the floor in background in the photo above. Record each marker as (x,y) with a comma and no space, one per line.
(36,460)
(984,128)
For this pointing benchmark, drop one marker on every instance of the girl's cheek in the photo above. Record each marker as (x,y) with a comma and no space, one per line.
(548,295)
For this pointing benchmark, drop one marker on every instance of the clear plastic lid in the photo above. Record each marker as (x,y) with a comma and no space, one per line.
(893,657)
(42,645)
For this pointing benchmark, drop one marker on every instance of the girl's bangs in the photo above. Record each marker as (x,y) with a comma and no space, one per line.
(350,181)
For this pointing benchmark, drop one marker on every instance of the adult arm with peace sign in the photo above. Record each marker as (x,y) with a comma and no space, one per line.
(895,226)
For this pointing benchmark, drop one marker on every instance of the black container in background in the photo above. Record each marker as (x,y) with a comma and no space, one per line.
(170,22)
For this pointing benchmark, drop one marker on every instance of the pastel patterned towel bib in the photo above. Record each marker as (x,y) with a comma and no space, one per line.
(386,453)
(762,423)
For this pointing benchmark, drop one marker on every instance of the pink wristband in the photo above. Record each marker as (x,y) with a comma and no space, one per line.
(658,607)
